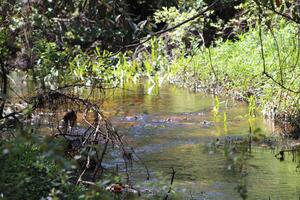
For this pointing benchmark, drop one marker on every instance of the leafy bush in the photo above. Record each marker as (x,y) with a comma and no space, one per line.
(27,174)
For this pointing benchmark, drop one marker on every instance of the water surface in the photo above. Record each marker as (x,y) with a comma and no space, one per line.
(174,127)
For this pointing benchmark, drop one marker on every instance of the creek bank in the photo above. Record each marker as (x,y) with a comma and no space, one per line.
(289,124)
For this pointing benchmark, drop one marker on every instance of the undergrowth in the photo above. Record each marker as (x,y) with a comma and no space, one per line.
(236,68)
(27,172)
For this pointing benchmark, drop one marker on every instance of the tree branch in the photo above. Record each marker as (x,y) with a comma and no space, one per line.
(171,28)
(278,13)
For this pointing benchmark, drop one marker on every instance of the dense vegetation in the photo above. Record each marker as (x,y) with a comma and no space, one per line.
(247,49)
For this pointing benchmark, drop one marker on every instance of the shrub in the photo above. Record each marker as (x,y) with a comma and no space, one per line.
(27,174)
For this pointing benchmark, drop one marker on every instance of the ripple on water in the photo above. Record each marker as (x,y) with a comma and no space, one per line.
(173,134)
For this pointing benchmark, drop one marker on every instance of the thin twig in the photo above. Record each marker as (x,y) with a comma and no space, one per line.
(278,13)
(142,162)
(264,61)
(171,184)
(99,165)
(87,165)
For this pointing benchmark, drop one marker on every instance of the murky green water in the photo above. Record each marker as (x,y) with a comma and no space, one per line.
(173,127)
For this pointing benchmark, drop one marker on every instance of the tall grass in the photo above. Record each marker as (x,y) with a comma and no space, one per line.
(237,68)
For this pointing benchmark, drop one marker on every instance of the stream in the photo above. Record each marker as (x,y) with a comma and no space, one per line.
(175,128)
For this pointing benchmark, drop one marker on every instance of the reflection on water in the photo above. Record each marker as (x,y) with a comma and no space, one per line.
(172,129)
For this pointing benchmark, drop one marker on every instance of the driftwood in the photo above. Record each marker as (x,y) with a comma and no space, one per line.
(99,132)
(95,135)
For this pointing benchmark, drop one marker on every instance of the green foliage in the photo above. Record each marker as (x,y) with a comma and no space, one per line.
(3,42)
(63,43)
(184,36)
(252,107)
(225,121)
(26,174)
(51,63)
(216,108)
(186,4)
(57,67)
(238,66)
(107,24)
(34,170)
